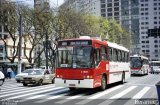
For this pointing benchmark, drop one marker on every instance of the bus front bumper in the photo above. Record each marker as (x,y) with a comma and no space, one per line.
(86,83)
(136,72)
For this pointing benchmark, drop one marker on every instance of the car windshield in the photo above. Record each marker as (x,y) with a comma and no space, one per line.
(35,72)
(74,57)
(136,62)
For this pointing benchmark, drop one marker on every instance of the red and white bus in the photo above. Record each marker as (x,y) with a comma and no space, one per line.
(139,64)
(90,63)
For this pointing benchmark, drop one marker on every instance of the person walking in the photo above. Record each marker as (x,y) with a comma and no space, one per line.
(9,72)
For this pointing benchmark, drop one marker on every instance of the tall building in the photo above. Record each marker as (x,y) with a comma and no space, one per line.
(86,6)
(140,17)
(150,28)
(42,4)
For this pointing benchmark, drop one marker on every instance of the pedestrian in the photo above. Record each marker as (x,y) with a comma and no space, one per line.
(9,72)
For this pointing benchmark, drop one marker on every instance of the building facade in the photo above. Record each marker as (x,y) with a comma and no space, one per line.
(140,17)
(150,28)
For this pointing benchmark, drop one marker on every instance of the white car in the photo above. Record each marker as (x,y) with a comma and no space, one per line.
(2,78)
(19,77)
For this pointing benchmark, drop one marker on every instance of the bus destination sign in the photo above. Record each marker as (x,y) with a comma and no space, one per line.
(74,43)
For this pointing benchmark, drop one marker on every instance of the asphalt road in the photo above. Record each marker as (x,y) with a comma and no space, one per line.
(138,90)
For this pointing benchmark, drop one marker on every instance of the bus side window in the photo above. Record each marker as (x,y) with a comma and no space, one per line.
(103,53)
(97,56)
(119,55)
(109,53)
(123,57)
(115,55)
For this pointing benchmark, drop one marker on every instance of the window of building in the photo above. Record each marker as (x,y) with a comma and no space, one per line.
(146,4)
(155,4)
(142,5)
(146,9)
(147,41)
(116,4)
(109,0)
(155,22)
(147,51)
(116,9)
(155,41)
(146,13)
(156,55)
(109,9)
(155,8)
(109,14)
(109,5)
(155,46)
(116,13)
(143,41)
(143,46)
(155,17)
(147,46)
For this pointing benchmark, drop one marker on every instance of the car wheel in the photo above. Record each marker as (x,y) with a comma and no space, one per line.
(25,84)
(53,80)
(1,82)
(40,82)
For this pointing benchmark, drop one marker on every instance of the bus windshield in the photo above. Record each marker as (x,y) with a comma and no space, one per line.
(136,62)
(74,57)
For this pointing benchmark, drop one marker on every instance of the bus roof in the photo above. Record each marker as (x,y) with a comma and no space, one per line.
(136,55)
(115,45)
(110,44)
(154,61)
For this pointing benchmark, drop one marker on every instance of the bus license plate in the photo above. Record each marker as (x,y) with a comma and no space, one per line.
(72,85)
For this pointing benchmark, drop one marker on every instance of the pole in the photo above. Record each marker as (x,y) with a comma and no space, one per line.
(46,50)
(20,45)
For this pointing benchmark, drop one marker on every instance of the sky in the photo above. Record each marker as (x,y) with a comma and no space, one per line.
(53,3)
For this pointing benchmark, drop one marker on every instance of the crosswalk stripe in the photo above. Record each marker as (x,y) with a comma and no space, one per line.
(41,91)
(119,95)
(68,99)
(50,98)
(25,91)
(24,88)
(100,94)
(141,93)
(43,95)
(54,97)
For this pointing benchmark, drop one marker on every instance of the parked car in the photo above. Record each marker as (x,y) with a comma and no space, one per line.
(19,77)
(38,77)
(2,78)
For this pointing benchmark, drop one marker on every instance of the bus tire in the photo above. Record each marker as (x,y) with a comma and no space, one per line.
(103,83)
(72,88)
(123,78)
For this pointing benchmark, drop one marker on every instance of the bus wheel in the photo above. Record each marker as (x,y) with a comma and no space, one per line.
(72,88)
(123,78)
(103,83)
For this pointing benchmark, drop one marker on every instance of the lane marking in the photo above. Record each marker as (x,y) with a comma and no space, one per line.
(141,93)
(26,91)
(41,91)
(119,95)
(96,96)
